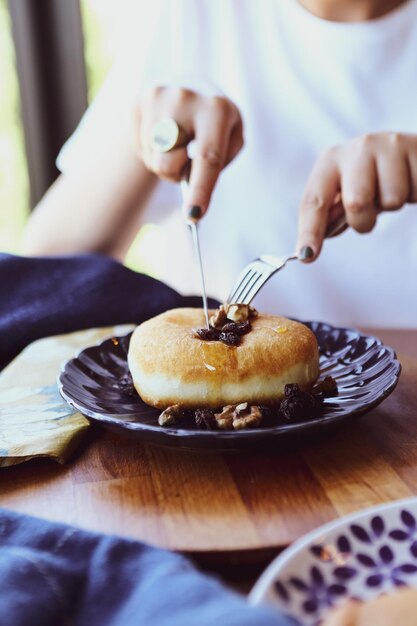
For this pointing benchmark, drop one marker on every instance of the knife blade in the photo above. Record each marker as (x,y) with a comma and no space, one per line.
(193,224)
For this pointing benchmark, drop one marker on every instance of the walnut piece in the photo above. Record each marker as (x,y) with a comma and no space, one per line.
(219,318)
(232,312)
(225,418)
(237,312)
(240,312)
(238,417)
(247,419)
(171,415)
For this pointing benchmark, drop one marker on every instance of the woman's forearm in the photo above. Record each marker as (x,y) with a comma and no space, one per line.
(93,208)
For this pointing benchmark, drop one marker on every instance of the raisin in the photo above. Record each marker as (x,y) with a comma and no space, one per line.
(243,328)
(298,405)
(269,416)
(208,334)
(229,334)
(237,328)
(230,339)
(230,327)
(291,390)
(204,418)
(126,386)
(326,387)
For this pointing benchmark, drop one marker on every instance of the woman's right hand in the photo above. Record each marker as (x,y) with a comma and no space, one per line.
(213,122)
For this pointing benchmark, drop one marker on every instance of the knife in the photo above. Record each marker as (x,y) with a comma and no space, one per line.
(193,224)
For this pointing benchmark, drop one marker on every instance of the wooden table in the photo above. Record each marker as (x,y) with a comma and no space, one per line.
(231,509)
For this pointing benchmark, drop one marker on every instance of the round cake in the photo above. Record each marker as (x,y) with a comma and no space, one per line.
(170,365)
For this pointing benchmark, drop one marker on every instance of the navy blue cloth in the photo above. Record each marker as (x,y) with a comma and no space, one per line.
(54,575)
(49,296)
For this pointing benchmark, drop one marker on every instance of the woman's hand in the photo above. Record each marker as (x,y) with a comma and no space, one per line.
(213,122)
(373,173)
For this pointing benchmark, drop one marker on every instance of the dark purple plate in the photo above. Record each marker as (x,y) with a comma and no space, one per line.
(365,370)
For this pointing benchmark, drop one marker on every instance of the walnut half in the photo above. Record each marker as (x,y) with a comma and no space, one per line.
(225,418)
(238,417)
(171,415)
(219,318)
(237,312)
(251,418)
(232,312)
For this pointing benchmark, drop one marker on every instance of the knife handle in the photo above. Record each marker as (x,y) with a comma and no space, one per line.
(336,227)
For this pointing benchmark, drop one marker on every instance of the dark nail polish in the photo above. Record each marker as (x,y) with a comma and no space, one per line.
(306,253)
(195,212)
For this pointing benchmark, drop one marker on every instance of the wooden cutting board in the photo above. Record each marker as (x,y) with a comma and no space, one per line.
(229,505)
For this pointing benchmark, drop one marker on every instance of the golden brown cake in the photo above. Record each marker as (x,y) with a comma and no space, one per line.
(171,366)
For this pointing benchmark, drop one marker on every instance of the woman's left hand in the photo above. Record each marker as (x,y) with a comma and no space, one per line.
(370,174)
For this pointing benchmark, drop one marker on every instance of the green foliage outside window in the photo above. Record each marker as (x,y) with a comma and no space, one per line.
(14,183)
(99,47)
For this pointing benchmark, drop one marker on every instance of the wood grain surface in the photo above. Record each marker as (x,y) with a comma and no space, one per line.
(228,504)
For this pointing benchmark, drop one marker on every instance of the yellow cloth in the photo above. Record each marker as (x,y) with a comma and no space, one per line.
(34,419)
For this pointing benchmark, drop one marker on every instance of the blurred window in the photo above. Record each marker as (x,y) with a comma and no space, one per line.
(101,35)
(14,183)
(102,29)
(100,45)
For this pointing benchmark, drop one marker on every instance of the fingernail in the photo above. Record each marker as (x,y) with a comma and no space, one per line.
(306,253)
(194,213)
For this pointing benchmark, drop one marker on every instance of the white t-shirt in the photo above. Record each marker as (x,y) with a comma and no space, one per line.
(302,85)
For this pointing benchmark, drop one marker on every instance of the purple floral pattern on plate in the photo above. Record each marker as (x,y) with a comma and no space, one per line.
(361,557)
(317,592)
(408,533)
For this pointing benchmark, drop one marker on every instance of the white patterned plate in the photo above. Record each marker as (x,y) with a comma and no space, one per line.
(360,556)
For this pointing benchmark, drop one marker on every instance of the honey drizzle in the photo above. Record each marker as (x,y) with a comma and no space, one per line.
(224,360)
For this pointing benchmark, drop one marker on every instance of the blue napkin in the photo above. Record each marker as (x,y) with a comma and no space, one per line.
(49,296)
(56,575)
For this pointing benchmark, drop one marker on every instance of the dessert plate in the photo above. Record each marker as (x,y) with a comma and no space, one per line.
(360,556)
(365,370)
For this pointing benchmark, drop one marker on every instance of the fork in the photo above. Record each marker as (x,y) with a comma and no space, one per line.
(254,276)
